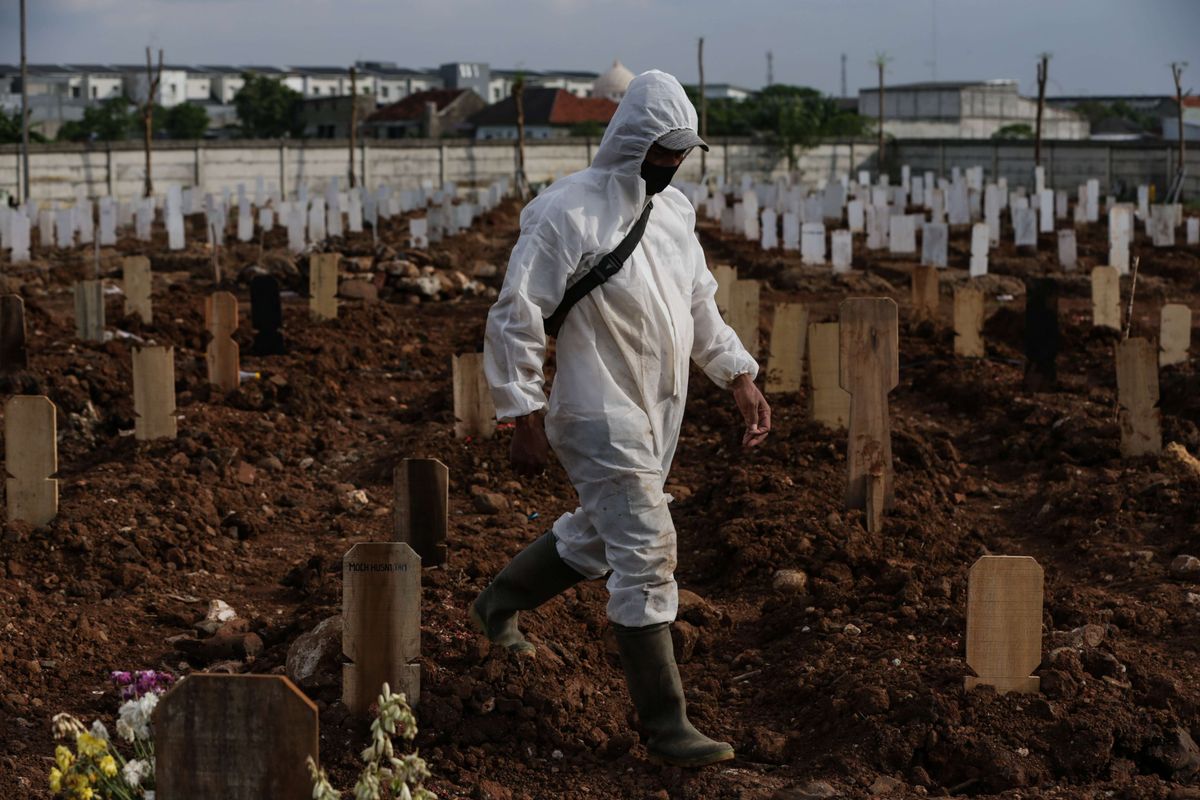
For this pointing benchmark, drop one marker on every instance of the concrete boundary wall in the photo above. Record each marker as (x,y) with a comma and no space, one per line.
(118,170)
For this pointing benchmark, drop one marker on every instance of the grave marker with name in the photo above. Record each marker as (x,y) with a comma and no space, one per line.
(381,619)
(1004,623)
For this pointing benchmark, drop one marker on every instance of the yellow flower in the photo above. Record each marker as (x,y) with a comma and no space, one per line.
(91,745)
(63,758)
(55,779)
(108,765)
(85,793)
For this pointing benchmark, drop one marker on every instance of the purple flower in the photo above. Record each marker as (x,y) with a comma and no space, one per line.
(136,684)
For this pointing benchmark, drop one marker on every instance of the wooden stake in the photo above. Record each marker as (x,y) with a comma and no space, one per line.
(1137,393)
(1041,334)
(1175,335)
(154,393)
(968,322)
(1004,623)
(136,278)
(323,285)
(236,737)
(31,457)
(89,311)
(222,356)
(422,502)
(925,294)
(474,412)
(381,613)
(266,315)
(724,275)
(869,368)
(13,355)
(1106,298)
(743,313)
(829,403)
(789,330)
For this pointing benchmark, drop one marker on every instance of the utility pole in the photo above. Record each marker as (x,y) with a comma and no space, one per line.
(1042,72)
(153,80)
(518,91)
(24,108)
(703,113)
(881,61)
(843,75)
(770,68)
(353,120)
(1177,68)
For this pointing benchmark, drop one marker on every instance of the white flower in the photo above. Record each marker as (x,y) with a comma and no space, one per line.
(124,730)
(136,770)
(135,715)
(99,731)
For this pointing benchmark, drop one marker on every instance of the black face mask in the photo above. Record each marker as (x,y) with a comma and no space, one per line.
(657,178)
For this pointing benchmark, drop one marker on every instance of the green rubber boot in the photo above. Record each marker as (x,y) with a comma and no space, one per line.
(657,692)
(534,576)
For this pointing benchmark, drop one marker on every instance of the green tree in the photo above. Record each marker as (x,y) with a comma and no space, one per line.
(793,118)
(10,129)
(1017,130)
(267,108)
(110,121)
(184,121)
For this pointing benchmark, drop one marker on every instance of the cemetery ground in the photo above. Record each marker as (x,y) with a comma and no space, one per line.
(825,653)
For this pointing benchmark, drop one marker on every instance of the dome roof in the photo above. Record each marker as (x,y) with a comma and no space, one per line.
(612,84)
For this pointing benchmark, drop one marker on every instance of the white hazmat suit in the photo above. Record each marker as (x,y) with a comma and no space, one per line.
(622,353)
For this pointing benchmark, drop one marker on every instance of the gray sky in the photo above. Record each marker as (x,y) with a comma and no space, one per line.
(1098,46)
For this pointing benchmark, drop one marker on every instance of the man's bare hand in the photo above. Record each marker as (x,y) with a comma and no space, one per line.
(755,411)
(530,451)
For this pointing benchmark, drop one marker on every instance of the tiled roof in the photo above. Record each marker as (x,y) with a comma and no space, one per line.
(545,106)
(413,106)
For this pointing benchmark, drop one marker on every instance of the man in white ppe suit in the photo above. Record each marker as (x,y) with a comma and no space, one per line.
(618,396)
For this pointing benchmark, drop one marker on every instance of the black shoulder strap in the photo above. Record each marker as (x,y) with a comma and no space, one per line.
(609,265)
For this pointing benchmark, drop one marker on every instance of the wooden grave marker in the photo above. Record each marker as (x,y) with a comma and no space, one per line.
(1004,623)
(869,369)
(266,317)
(474,412)
(89,311)
(925,294)
(1137,393)
(828,401)
(323,285)
(1175,334)
(785,366)
(222,356)
(1041,334)
(234,737)
(31,458)
(135,271)
(381,619)
(13,355)
(1106,298)
(724,275)
(154,393)
(968,322)
(422,501)
(743,313)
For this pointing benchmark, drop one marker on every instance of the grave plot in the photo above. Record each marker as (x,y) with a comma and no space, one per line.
(825,651)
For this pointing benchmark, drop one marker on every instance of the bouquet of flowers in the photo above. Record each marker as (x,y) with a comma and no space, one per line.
(96,770)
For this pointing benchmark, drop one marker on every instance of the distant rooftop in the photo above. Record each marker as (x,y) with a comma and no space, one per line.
(936,85)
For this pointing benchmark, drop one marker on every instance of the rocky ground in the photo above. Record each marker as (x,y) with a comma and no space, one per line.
(833,658)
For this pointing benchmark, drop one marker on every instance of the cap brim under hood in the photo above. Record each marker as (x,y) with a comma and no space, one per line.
(654,104)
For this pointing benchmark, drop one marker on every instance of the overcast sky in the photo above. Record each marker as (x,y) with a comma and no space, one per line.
(1098,46)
